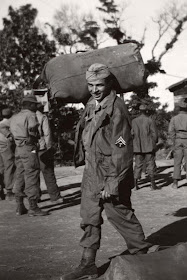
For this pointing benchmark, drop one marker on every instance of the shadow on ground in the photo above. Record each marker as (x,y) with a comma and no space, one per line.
(163,178)
(65,187)
(173,233)
(169,235)
(70,199)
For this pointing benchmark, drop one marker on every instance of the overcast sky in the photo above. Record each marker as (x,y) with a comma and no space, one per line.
(139,15)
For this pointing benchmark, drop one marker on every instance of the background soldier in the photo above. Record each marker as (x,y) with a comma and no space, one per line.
(145,137)
(46,157)
(7,151)
(24,127)
(2,185)
(178,134)
(104,139)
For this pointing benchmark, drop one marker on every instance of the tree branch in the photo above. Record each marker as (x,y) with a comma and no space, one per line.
(178,31)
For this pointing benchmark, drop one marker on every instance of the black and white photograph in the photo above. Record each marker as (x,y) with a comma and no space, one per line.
(93,139)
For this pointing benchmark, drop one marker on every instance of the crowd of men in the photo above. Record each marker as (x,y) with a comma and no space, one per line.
(106,141)
(25,143)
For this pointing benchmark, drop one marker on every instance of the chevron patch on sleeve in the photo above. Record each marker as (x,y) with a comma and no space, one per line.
(120,142)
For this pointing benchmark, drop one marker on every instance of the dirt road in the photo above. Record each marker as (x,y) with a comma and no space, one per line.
(40,248)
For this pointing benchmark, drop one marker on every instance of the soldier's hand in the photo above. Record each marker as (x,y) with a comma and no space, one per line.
(105,195)
(71,142)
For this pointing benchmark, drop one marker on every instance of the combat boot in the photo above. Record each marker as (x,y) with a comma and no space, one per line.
(10,196)
(175,184)
(58,200)
(153,185)
(136,187)
(21,209)
(2,194)
(34,210)
(87,268)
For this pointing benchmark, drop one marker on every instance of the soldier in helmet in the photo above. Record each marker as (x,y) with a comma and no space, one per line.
(178,135)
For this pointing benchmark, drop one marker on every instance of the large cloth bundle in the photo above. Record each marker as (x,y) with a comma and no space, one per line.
(65,74)
(169,264)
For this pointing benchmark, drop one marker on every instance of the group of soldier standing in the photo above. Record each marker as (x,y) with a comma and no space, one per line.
(105,143)
(145,138)
(25,139)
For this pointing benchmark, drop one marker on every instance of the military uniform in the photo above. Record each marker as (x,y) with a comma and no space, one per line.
(145,137)
(2,185)
(106,144)
(7,150)
(103,143)
(178,134)
(24,127)
(47,166)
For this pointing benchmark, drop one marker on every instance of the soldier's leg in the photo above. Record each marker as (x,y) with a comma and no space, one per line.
(50,179)
(185,158)
(19,186)
(91,224)
(19,183)
(2,186)
(151,169)
(178,156)
(122,217)
(139,161)
(138,167)
(9,170)
(30,161)
(90,211)
(31,171)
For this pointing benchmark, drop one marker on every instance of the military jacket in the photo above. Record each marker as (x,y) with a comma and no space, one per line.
(178,126)
(5,134)
(45,140)
(109,150)
(144,134)
(24,127)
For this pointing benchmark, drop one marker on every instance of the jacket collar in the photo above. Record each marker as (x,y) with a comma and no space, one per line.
(107,103)
(108,106)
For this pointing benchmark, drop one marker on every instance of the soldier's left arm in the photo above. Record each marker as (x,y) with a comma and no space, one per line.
(154,132)
(47,132)
(33,126)
(5,128)
(121,152)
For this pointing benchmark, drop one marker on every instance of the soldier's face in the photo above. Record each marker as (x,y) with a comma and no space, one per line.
(99,89)
(33,107)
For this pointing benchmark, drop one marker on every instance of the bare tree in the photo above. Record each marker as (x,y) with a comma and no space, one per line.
(115,18)
(76,31)
(170,23)
(73,30)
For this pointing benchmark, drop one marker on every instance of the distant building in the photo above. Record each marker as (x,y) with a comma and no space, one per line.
(179,91)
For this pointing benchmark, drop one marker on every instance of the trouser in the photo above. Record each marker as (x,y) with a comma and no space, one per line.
(180,152)
(2,185)
(27,172)
(144,158)
(8,159)
(49,176)
(121,216)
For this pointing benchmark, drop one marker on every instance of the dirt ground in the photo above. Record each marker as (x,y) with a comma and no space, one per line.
(38,248)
